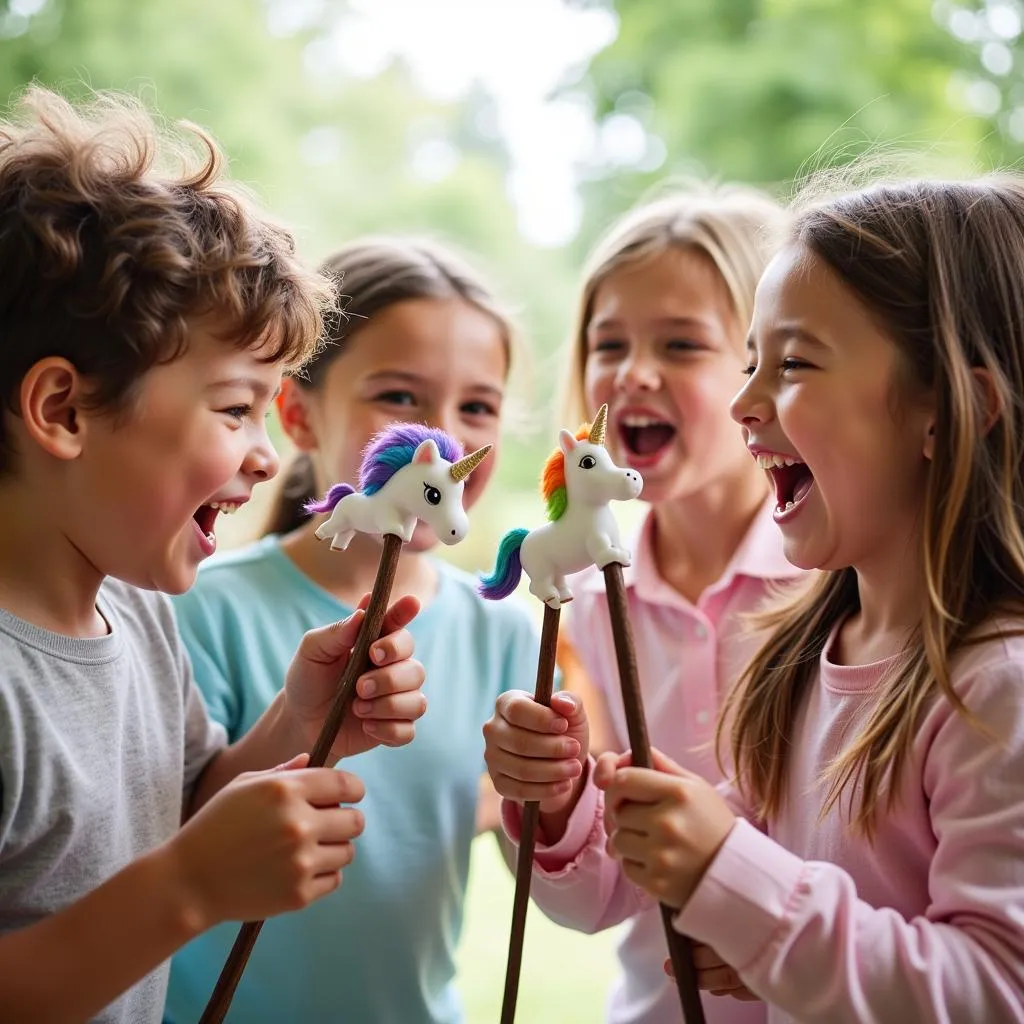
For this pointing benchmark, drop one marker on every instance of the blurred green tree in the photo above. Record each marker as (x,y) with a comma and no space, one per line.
(762,90)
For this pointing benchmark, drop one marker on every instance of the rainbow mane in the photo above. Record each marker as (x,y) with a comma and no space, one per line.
(552,481)
(394,448)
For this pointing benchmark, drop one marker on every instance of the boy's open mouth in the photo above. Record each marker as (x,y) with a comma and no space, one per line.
(645,435)
(206,515)
(791,478)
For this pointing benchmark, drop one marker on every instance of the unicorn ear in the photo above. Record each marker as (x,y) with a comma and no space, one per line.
(427,452)
(566,441)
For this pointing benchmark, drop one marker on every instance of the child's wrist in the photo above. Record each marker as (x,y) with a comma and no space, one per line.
(282,731)
(186,910)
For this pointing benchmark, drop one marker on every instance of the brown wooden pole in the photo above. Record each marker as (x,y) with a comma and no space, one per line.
(358,663)
(679,949)
(528,837)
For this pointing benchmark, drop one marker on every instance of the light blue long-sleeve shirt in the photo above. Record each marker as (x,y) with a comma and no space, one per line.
(381,948)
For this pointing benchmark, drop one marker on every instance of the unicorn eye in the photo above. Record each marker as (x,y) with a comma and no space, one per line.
(431,494)
(588,462)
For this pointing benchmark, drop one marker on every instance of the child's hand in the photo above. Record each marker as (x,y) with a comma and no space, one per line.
(388,698)
(715,975)
(268,842)
(664,824)
(537,753)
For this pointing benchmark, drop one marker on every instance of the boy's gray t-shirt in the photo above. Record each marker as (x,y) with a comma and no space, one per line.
(100,739)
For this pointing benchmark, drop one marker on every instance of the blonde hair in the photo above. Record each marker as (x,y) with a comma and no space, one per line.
(115,236)
(736,227)
(370,275)
(938,264)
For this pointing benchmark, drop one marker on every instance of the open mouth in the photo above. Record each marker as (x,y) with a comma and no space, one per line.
(645,436)
(791,478)
(206,515)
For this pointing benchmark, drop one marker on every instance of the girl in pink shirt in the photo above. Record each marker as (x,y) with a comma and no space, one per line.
(664,311)
(868,865)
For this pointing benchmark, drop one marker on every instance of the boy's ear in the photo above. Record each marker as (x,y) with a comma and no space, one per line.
(293,411)
(51,407)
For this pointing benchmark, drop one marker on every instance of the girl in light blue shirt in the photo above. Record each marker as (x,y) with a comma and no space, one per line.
(424,340)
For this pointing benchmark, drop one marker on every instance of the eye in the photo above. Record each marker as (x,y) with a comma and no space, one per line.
(238,412)
(431,494)
(748,371)
(478,409)
(793,364)
(588,462)
(397,397)
(608,346)
(683,345)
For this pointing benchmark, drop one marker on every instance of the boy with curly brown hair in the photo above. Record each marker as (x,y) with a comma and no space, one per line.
(147,314)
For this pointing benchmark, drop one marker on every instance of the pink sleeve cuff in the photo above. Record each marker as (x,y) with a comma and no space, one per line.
(584,828)
(744,896)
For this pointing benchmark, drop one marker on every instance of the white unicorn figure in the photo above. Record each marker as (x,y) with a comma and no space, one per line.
(579,481)
(408,472)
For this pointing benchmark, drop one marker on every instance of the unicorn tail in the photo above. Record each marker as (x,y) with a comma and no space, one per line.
(507,570)
(333,496)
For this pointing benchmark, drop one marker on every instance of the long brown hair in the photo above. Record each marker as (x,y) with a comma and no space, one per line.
(939,266)
(370,275)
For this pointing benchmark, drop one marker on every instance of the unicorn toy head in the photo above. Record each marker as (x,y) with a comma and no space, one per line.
(578,482)
(409,472)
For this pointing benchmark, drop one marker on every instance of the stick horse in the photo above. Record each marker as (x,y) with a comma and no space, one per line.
(578,483)
(408,472)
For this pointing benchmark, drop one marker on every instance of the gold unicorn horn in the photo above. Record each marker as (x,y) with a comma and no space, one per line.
(461,469)
(597,431)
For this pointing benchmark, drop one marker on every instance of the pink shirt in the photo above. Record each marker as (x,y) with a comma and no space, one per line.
(687,656)
(924,924)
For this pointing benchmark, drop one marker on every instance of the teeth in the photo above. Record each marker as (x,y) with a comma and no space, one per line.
(641,421)
(786,507)
(227,507)
(775,461)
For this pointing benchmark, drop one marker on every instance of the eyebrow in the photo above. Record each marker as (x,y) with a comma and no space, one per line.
(609,323)
(414,378)
(789,330)
(257,386)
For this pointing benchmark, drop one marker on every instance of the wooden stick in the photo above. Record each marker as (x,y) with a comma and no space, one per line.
(358,663)
(679,949)
(531,814)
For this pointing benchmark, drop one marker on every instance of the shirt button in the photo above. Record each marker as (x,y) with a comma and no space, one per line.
(700,631)
(703,717)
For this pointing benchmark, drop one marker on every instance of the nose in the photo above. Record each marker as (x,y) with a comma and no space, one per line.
(262,461)
(639,372)
(750,406)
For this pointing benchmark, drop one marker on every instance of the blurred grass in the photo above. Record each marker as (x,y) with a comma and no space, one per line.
(565,974)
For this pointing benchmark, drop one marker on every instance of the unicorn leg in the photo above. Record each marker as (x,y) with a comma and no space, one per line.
(603,552)
(543,588)
(340,541)
(564,593)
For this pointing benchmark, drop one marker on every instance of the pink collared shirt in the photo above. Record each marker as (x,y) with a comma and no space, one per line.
(688,656)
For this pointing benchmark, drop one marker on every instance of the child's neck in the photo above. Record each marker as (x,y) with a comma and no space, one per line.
(44,578)
(349,574)
(695,539)
(891,598)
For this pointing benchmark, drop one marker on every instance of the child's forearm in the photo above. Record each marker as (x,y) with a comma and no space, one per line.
(71,965)
(268,743)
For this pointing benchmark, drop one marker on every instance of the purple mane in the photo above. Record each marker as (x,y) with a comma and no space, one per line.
(394,448)
(387,452)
